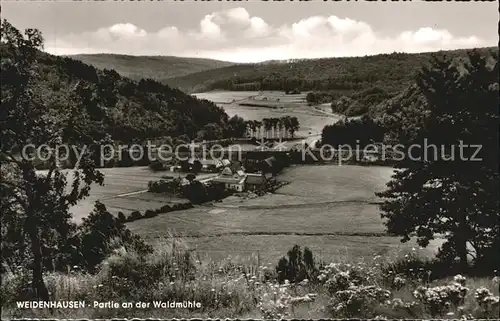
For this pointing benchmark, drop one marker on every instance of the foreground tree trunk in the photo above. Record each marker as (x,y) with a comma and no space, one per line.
(38,285)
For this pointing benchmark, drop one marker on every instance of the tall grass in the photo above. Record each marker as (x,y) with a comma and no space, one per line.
(245,287)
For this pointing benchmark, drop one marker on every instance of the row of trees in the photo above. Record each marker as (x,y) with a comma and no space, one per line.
(283,127)
(235,127)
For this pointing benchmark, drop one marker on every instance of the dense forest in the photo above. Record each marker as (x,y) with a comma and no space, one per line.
(125,109)
(153,67)
(390,72)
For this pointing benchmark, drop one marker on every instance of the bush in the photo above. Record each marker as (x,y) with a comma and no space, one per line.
(299,266)
(415,268)
(134,216)
(121,217)
(168,186)
(165,209)
(156,166)
(150,213)
(99,234)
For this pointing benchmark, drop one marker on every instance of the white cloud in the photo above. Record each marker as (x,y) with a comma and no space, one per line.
(238,14)
(126,30)
(169,32)
(209,28)
(258,28)
(235,35)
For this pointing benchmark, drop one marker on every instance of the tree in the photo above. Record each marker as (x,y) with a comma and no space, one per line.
(286,124)
(236,126)
(450,194)
(258,126)
(190,177)
(210,131)
(294,125)
(280,126)
(37,206)
(97,232)
(298,266)
(196,166)
(250,128)
(267,126)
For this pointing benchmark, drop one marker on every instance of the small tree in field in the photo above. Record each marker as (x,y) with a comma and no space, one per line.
(454,192)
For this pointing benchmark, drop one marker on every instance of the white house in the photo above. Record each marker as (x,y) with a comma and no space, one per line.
(231,181)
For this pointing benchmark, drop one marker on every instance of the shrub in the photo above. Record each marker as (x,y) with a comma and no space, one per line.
(359,300)
(134,216)
(121,217)
(414,268)
(298,266)
(156,166)
(99,234)
(165,209)
(438,300)
(150,213)
(488,302)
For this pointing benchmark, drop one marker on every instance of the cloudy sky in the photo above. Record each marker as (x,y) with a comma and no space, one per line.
(251,31)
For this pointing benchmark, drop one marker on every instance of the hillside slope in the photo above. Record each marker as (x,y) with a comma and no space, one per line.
(123,108)
(154,67)
(391,72)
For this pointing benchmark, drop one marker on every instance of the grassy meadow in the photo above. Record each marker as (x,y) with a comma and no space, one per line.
(349,287)
(125,190)
(328,208)
(255,105)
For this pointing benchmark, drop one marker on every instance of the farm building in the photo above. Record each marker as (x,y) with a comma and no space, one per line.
(175,168)
(210,165)
(224,163)
(227,172)
(254,182)
(236,183)
(231,181)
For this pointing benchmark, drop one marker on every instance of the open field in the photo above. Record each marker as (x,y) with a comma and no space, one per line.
(342,218)
(125,189)
(328,208)
(341,231)
(322,185)
(330,248)
(311,120)
(263,97)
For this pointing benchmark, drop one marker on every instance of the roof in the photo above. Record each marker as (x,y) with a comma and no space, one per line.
(209,162)
(229,180)
(270,160)
(255,179)
(227,172)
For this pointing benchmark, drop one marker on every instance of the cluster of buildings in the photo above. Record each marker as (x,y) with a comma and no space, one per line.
(230,173)
(240,181)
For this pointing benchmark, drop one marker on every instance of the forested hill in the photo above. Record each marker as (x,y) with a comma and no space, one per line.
(390,72)
(126,109)
(154,67)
